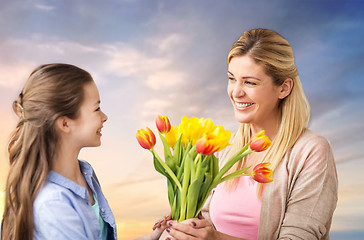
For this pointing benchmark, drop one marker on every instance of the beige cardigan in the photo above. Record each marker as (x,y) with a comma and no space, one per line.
(301,200)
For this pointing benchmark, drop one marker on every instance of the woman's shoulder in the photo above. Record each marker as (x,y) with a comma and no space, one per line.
(310,149)
(310,140)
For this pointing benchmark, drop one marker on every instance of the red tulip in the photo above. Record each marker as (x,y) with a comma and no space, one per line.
(262,174)
(146,138)
(163,124)
(204,147)
(260,142)
(212,142)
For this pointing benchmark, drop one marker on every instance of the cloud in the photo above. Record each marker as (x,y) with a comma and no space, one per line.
(13,76)
(153,106)
(128,61)
(172,61)
(165,80)
(343,127)
(43,7)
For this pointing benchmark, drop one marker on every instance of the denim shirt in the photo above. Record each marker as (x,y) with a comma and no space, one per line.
(62,209)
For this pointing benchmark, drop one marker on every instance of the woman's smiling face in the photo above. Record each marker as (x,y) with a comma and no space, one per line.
(252,92)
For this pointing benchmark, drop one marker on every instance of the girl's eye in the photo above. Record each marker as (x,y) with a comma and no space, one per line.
(98,109)
(231,79)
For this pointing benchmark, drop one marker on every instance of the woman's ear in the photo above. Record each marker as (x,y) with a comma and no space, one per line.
(62,124)
(285,88)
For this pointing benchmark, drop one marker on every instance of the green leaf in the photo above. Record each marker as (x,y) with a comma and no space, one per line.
(167,153)
(158,166)
(185,186)
(239,155)
(216,180)
(167,171)
(185,154)
(176,208)
(215,166)
(171,189)
(205,174)
(192,197)
(192,167)
(205,186)
(239,173)
(177,152)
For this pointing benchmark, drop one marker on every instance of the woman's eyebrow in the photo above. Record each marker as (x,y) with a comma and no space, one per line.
(246,77)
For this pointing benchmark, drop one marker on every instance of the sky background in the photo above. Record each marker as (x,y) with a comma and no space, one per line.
(169,57)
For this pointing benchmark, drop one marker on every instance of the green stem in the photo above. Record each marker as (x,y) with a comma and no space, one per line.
(239,155)
(167,169)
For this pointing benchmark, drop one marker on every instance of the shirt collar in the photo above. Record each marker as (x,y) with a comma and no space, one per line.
(60,180)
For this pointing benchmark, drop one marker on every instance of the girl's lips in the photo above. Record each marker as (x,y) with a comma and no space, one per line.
(99,131)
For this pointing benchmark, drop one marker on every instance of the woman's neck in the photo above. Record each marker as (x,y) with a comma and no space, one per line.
(270,126)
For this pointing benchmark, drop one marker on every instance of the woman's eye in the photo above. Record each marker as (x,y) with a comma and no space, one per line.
(98,109)
(231,79)
(250,83)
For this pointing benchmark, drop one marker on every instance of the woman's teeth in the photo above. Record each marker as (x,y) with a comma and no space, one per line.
(243,105)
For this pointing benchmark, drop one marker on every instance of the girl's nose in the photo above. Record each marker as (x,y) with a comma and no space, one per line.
(104,117)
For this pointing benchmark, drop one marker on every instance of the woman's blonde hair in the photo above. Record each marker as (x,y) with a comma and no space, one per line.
(51,91)
(274,53)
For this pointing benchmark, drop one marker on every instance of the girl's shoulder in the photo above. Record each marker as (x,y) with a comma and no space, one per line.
(57,190)
(85,165)
(51,194)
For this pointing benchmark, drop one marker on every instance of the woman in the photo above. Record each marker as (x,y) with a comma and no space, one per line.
(266,94)
(50,193)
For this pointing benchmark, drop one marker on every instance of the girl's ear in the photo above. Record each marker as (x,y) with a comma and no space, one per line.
(285,88)
(62,124)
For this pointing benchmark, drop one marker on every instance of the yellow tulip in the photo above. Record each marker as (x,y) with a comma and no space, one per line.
(214,141)
(172,136)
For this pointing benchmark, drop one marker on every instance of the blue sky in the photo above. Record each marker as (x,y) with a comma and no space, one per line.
(169,57)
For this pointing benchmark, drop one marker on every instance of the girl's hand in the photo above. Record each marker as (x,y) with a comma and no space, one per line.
(192,229)
(158,228)
(162,222)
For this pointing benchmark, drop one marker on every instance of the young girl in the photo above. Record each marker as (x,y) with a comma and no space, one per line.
(50,194)
(266,94)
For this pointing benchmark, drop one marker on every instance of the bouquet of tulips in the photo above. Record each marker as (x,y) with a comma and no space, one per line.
(190,166)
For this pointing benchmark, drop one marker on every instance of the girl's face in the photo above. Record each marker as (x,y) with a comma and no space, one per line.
(254,96)
(86,128)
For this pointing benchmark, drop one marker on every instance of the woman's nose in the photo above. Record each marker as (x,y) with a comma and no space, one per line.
(238,90)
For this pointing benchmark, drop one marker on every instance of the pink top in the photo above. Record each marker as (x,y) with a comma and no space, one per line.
(236,212)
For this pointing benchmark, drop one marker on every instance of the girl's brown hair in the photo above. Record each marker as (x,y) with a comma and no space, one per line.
(51,91)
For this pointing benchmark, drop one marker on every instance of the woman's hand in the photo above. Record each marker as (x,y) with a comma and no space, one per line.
(192,229)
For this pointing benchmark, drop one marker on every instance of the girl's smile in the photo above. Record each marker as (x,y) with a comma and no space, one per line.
(87,127)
